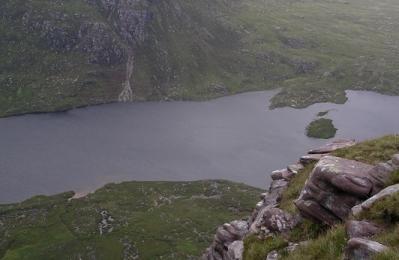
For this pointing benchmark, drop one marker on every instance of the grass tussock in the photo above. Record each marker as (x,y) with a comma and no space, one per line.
(372,151)
(257,249)
(328,246)
(294,189)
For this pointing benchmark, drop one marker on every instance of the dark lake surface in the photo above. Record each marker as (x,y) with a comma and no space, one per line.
(235,138)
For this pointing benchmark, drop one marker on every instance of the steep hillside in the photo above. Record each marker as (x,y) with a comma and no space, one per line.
(59,54)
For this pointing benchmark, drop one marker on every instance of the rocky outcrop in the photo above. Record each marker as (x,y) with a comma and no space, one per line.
(366,205)
(275,220)
(334,145)
(235,250)
(228,243)
(93,38)
(266,218)
(364,229)
(311,158)
(336,185)
(269,201)
(333,188)
(105,225)
(362,249)
(359,247)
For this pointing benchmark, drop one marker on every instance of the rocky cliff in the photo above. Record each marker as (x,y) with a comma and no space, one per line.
(60,54)
(334,190)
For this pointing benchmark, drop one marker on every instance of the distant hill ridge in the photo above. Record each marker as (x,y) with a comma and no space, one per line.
(56,55)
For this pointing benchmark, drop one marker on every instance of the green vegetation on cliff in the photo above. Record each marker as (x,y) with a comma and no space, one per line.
(322,128)
(57,55)
(149,220)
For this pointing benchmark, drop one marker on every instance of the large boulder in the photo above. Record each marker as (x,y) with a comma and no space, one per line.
(333,188)
(362,249)
(366,205)
(362,229)
(334,145)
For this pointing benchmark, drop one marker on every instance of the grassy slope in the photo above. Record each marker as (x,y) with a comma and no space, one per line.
(315,49)
(328,243)
(151,219)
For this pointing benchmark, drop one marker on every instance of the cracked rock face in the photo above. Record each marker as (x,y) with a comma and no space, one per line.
(333,188)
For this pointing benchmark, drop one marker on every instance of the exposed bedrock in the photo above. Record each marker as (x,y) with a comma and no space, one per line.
(334,145)
(362,249)
(336,185)
(363,228)
(227,243)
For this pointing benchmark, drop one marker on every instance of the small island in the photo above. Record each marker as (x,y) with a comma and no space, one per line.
(322,128)
(323,113)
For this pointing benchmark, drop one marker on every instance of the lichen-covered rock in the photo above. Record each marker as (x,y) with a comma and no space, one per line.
(269,200)
(333,188)
(362,229)
(226,243)
(235,250)
(365,205)
(362,249)
(277,221)
(334,145)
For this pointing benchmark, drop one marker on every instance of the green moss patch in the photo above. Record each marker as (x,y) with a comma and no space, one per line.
(294,188)
(257,249)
